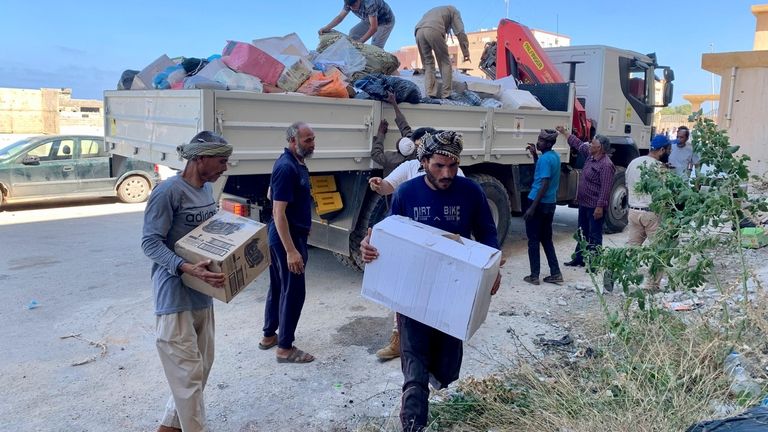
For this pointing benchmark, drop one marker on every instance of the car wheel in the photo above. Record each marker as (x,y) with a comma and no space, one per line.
(133,189)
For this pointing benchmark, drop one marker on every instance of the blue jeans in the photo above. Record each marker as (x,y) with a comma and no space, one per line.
(538,228)
(285,298)
(590,230)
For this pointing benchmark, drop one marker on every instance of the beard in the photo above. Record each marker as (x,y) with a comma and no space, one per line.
(664,158)
(441,184)
(304,153)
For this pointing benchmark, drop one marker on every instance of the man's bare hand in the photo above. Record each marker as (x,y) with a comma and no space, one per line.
(368,252)
(375,183)
(200,271)
(496,284)
(390,98)
(562,130)
(295,262)
(598,213)
(383,127)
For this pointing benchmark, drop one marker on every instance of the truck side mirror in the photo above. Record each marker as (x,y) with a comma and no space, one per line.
(668,87)
(669,75)
(30,160)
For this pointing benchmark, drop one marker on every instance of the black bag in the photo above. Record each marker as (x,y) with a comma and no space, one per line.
(126,79)
(377,86)
(751,420)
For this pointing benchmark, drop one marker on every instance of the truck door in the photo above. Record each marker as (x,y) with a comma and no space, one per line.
(93,166)
(53,173)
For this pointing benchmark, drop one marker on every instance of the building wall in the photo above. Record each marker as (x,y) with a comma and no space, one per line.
(747,109)
(48,111)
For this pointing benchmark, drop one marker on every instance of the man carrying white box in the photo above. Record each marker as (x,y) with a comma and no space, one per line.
(455,204)
(184,317)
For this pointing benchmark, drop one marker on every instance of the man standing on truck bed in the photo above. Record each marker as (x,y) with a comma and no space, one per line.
(429,355)
(184,321)
(430,37)
(376,19)
(288,233)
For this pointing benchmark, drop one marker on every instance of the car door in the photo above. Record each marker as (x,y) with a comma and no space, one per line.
(92,167)
(46,170)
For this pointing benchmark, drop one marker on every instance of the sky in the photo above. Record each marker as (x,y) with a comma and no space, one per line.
(85,45)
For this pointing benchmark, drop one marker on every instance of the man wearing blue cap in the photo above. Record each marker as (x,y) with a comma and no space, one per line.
(643,222)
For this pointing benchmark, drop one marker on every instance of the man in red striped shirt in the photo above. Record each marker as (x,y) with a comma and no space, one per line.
(593,193)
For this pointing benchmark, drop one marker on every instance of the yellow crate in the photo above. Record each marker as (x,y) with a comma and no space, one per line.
(328,202)
(323,184)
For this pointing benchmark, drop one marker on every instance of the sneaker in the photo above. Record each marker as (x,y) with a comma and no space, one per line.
(574,263)
(533,280)
(554,279)
(392,350)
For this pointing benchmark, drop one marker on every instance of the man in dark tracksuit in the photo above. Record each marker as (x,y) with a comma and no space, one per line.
(288,233)
(455,204)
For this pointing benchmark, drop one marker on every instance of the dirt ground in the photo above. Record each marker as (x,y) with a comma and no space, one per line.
(84,268)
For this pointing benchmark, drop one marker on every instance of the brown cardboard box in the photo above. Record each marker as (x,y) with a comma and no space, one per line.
(236,246)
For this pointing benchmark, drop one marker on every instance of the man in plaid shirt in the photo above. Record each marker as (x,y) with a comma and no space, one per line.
(593,193)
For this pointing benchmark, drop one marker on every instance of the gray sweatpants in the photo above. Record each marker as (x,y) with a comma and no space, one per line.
(379,38)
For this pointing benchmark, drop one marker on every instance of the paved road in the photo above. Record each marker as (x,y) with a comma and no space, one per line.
(83,266)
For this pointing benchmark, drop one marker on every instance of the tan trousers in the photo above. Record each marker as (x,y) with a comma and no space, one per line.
(642,226)
(185,344)
(428,41)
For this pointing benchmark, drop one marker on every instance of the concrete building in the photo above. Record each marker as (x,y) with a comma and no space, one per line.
(744,94)
(409,55)
(48,111)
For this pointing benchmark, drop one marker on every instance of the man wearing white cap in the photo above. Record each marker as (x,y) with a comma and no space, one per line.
(184,317)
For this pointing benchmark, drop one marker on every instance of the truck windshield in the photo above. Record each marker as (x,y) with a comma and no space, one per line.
(11,150)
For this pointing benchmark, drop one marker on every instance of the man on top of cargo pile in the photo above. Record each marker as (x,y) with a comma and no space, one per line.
(288,233)
(376,19)
(184,322)
(455,204)
(430,37)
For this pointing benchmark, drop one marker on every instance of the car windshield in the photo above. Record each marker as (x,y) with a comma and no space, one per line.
(11,150)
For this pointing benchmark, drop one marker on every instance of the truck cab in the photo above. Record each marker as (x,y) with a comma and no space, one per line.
(619,90)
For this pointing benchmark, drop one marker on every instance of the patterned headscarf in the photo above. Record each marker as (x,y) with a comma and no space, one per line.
(205,143)
(446,143)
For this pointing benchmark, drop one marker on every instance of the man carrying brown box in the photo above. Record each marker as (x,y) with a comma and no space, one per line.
(455,204)
(184,317)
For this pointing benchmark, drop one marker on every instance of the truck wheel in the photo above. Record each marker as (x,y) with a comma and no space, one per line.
(498,200)
(374,210)
(134,189)
(618,205)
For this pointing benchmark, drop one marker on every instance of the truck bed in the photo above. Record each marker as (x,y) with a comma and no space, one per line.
(150,124)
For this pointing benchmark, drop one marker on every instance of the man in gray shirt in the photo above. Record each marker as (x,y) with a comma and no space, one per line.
(682,158)
(184,321)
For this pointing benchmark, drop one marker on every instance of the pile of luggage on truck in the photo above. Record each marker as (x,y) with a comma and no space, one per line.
(339,68)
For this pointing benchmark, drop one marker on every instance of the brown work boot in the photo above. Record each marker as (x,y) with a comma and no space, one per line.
(164,428)
(392,350)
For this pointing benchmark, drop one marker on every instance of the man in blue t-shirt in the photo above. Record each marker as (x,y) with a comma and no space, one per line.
(455,204)
(184,323)
(288,233)
(542,201)
(376,19)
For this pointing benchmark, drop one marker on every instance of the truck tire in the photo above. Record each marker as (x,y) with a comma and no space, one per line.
(618,205)
(374,210)
(498,200)
(134,189)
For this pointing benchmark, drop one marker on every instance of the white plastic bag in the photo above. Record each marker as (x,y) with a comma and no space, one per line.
(238,81)
(343,55)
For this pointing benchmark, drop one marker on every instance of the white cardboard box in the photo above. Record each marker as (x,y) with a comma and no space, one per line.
(237,246)
(429,277)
